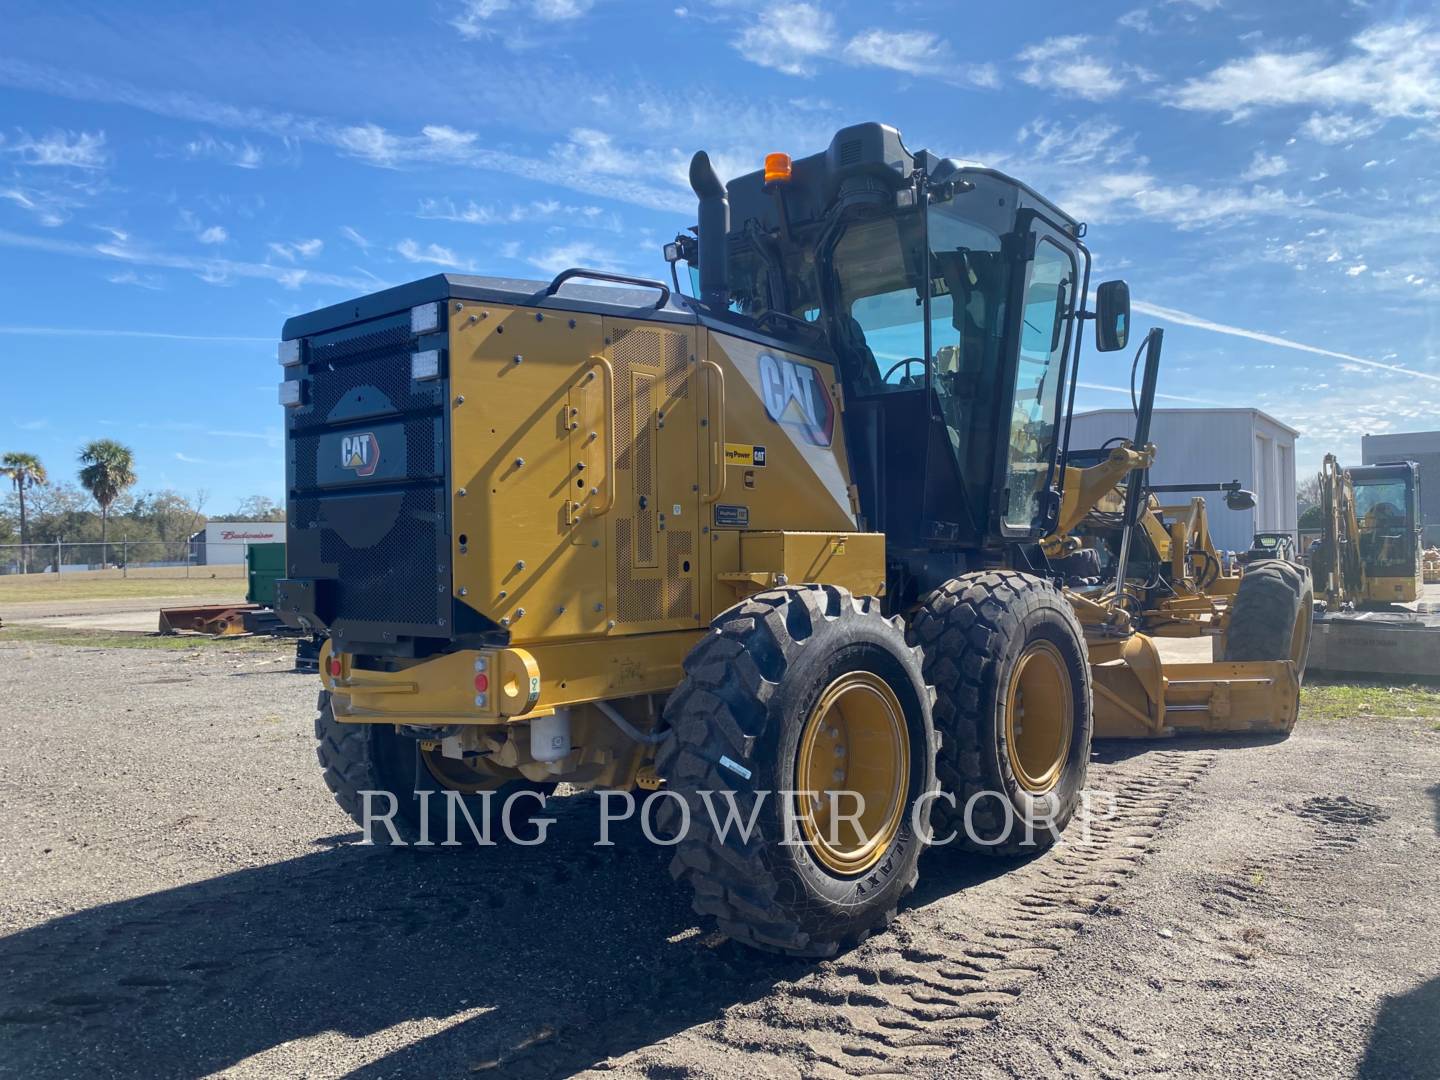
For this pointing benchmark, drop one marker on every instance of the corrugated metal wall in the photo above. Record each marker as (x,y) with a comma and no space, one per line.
(1423,448)
(1213,446)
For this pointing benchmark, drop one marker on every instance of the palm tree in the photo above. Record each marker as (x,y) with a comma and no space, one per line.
(25,471)
(109,468)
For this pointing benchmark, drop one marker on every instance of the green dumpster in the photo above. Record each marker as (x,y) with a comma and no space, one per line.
(264,565)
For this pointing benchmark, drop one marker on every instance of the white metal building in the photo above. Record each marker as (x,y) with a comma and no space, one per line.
(226,541)
(1213,446)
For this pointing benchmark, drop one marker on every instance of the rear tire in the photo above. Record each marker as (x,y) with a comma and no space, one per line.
(980,634)
(787,683)
(1271,616)
(374,757)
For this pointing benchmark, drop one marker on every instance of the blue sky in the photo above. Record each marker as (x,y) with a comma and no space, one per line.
(175,181)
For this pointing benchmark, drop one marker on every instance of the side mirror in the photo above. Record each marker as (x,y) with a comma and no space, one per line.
(1112,316)
(1240,499)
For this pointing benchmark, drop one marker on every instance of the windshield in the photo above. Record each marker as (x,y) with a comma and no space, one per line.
(878,267)
(1380,510)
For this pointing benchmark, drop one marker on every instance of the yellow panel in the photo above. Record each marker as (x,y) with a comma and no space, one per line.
(442,690)
(1392,590)
(722,557)
(855,561)
(790,408)
(515,454)
(655,525)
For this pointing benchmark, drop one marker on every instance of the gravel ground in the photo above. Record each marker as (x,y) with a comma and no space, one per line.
(181,897)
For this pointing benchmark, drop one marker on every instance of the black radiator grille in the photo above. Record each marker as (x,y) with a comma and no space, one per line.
(394,581)
(376,543)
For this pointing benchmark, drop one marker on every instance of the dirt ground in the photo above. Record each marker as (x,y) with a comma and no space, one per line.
(180,897)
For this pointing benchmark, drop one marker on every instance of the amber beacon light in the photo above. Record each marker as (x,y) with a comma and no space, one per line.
(777,168)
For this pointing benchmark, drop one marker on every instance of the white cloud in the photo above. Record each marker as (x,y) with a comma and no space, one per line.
(1263,166)
(1137,20)
(1128,392)
(354,237)
(1068,145)
(1392,70)
(1117,196)
(305,249)
(242,155)
(68,149)
(560,10)
(154,282)
(212,270)
(916,52)
(788,38)
(1065,65)
(411,251)
(473,20)
(517,213)
(50,208)
(1356,270)
(555,259)
(1183,318)
(77,331)
(1336,128)
(206,234)
(368,141)
(661,118)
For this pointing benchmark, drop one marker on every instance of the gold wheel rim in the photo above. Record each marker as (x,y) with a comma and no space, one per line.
(458,776)
(855,740)
(1300,638)
(1039,717)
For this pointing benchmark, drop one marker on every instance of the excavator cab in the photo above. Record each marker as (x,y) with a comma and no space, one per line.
(1388,530)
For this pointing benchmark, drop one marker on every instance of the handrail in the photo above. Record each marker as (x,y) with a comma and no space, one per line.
(606,275)
(607,380)
(717,437)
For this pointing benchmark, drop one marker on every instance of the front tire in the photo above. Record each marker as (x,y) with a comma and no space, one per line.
(996,645)
(794,690)
(1272,615)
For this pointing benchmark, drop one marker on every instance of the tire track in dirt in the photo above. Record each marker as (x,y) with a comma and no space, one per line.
(908,997)
(1227,945)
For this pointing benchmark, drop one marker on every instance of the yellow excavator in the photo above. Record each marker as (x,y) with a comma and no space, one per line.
(793,545)
(1369,573)
(1370,554)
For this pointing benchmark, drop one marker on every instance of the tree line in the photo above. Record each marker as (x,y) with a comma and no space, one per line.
(102,505)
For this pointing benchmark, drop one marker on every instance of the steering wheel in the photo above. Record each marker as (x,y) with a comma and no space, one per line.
(903,364)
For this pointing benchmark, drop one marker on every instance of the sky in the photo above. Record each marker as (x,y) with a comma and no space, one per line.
(176,179)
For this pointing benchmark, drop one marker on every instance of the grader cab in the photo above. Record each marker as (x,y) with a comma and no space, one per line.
(787,545)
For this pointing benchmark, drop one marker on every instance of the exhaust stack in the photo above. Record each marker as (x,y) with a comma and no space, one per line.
(714,227)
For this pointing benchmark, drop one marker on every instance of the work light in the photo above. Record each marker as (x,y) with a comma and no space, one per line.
(425,364)
(292,393)
(289,353)
(425,319)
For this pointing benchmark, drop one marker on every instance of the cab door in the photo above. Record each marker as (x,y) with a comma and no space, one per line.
(1044,320)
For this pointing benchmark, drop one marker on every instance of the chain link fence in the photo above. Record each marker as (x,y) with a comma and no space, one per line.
(126,558)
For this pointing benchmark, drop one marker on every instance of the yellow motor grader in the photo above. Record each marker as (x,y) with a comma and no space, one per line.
(779,545)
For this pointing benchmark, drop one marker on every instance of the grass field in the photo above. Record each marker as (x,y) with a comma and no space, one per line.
(108,639)
(221,582)
(1362,700)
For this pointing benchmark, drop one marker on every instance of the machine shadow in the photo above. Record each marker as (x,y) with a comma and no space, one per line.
(1113,751)
(1405,1041)
(574,952)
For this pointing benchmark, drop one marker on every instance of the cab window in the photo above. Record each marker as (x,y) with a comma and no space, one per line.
(1049,293)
